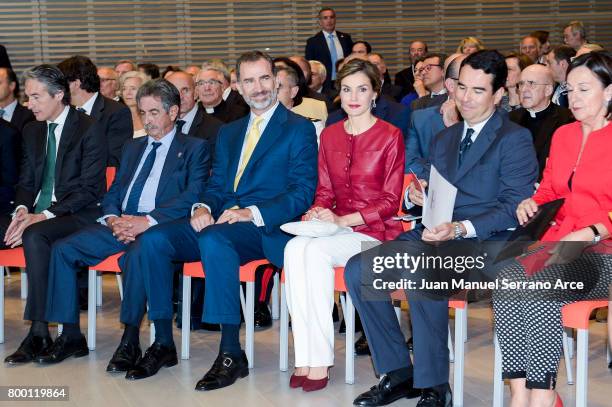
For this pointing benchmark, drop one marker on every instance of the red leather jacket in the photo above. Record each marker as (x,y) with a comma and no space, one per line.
(365,174)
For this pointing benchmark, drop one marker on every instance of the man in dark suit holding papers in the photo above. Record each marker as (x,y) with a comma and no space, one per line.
(492,163)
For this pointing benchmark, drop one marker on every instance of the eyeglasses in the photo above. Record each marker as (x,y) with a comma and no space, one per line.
(209,82)
(428,67)
(529,84)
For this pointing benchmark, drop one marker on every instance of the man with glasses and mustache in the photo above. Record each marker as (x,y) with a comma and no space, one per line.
(210,88)
(538,113)
(433,79)
(264,174)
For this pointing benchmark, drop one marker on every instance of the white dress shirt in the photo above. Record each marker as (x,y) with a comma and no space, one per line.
(88,106)
(339,50)
(188,118)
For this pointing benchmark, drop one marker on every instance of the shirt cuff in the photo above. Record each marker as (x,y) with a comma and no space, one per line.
(16,209)
(257,218)
(409,205)
(470,231)
(152,221)
(102,220)
(198,205)
(48,214)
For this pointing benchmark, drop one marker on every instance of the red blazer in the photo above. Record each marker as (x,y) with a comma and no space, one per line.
(590,198)
(363,173)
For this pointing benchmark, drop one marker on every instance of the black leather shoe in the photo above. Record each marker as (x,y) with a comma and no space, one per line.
(431,398)
(384,393)
(263,319)
(63,348)
(155,357)
(124,358)
(610,365)
(210,327)
(83,299)
(30,348)
(224,372)
(361,346)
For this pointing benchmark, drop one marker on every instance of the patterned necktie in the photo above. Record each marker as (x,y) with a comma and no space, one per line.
(131,207)
(80,109)
(466,143)
(2,111)
(252,138)
(334,55)
(48,179)
(179,125)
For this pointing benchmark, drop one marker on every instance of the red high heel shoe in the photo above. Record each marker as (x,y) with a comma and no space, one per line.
(558,401)
(314,385)
(296,381)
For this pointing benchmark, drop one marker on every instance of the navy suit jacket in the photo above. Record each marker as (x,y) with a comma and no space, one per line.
(183,177)
(497,173)
(386,109)
(10,142)
(280,177)
(424,125)
(317,49)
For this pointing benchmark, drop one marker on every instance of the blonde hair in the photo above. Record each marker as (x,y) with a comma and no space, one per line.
(132,74)
(470,40)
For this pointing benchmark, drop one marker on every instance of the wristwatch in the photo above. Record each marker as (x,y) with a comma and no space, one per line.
(458,230)
(597,236)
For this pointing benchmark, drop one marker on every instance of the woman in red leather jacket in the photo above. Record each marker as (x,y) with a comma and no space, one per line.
(361,170)
(528,322)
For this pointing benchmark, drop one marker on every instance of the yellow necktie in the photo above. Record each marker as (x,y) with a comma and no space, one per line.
(252,138)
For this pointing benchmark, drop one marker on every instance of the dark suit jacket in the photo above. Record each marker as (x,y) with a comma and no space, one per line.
(228,113)
(497,173)
(405,80)
(10,143)
(424,125)
(115,121)
(21,116)
(205,127)
(556,117)
(386,109)
(235,98)
(280,177)
(80,166)
(427,101)
(391,90)
(182,180)
(5,61)
(317,49)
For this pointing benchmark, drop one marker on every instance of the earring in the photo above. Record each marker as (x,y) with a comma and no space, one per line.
(373,103)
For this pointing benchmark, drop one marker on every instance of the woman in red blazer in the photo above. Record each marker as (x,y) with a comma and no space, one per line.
(528,322)
(361,171)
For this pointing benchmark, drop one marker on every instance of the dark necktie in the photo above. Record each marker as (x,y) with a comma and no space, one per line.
(80,109)
(131,207)
(48,179)
(179,125)
(466,143)
(1,113)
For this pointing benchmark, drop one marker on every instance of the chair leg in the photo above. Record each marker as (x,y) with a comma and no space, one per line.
(91,309)
(275,307)
(120,285)
(451,350)
(186,317)
(582,367)
(459,357)
(99,290)
(284,331)
(249,319)
(151,328)
(567,359)
(568,335)
(608,353)
(349,319)
(24,284)
(498,383)
(2,304)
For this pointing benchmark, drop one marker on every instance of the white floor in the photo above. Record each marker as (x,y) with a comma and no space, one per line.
(90,385)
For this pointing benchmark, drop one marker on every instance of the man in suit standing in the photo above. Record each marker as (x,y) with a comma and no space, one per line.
(61,182)
(193,120)
(10,152)
(159,179)
(405,77)
(264,174)
(486,141)
(558,60)
(433,79)
(538,114)
(328,45)
(10,109)
(210,85)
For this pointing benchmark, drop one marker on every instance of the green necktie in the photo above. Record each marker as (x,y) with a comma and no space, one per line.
(48,180)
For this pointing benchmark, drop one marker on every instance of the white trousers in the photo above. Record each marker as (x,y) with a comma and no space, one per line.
(309,284)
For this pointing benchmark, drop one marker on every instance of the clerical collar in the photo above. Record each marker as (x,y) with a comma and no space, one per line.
(538,113)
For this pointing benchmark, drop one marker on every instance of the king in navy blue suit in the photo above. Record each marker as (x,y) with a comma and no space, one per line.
(160,176)
(492,163)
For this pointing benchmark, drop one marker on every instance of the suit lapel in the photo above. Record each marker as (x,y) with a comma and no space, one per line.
(484,140)
(176,154)
(70,127)
(452,156)
(197,120)
(132,165)
(98,107)
(235,149)
(39,152)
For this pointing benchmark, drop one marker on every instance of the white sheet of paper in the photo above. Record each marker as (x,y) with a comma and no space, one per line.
(439,201)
